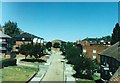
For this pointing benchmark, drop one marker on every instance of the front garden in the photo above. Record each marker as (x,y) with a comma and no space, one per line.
(22,69)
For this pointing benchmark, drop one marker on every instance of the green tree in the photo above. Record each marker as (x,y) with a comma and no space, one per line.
(106,38)
(32,50)
(49,45)
(37,51)
(116,34)
(56,45)
(81,63)
(11,29)
(24,49)
(73,56)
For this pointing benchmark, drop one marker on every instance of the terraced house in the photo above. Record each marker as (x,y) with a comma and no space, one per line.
(5,43)
(110,63)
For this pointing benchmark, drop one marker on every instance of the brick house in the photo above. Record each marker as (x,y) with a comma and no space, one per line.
(98,41)
(92,49)
(110,63)
(25,38)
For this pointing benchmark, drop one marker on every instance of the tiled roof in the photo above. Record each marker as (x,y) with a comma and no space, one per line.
(27,35)
(90,39)
(116,76)
(112,51)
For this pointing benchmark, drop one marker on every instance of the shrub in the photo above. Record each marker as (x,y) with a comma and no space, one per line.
(1,65)
(56,45)
(33,60)
(9,62)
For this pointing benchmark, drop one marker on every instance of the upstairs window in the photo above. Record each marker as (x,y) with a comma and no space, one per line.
(94,51)
(94,57)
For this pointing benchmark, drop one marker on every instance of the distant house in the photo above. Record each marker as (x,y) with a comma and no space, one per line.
(110,63)
(57,41)
(5,43)
(25,38)
(92,50)
(94,41)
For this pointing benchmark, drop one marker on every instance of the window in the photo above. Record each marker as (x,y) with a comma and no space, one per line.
(108,42)
(23,38)
(2,40)
(84,50)
(35,40)
(94,51)
(94,57)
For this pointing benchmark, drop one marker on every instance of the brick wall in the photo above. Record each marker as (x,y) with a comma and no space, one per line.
(92,51)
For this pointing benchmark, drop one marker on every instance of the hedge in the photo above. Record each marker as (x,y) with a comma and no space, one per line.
(8,62)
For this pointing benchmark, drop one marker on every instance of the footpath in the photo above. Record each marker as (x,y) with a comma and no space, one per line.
(55,70)
(50,71)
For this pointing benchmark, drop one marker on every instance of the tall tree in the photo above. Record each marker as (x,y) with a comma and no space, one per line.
(116,34)
(49,45)
(56,45)
(11,29)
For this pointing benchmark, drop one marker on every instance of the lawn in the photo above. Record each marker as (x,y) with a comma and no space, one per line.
(95,77)
(84,81)
(17,73)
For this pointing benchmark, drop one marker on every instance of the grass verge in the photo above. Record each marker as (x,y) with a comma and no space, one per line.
(84,81)
(17,73)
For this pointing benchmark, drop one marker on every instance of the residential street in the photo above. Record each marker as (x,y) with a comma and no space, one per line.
(56,69)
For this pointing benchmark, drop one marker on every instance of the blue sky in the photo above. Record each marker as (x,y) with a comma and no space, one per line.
(65,21)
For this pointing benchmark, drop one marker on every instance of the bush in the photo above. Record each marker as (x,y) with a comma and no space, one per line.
(8,62)
(1,65)
(56,45)
(33,60)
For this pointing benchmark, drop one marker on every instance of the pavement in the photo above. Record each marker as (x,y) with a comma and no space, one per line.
(54,70)
(50,71)
(42,71)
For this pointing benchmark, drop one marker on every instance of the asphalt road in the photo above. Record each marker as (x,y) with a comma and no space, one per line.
(55,71)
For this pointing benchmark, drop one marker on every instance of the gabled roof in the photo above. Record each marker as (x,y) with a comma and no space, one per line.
(27,35)
(112,51)
(91,40)
(2,35)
